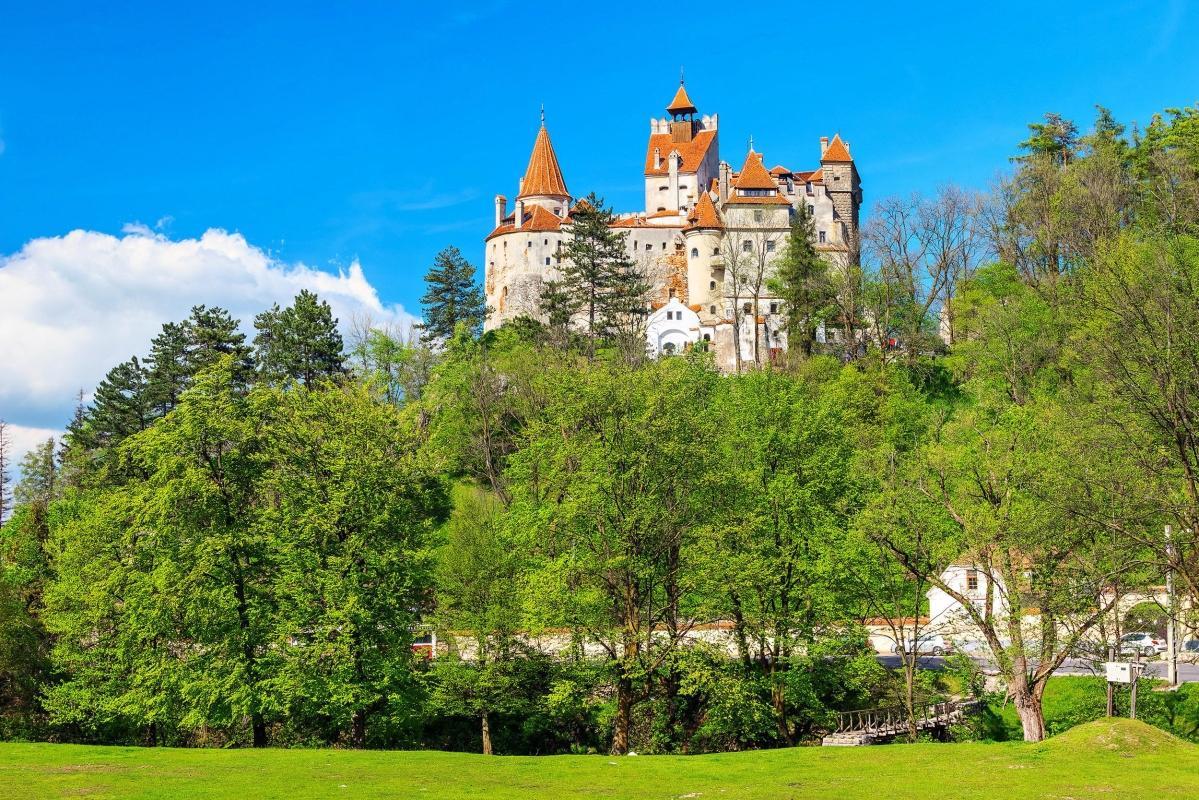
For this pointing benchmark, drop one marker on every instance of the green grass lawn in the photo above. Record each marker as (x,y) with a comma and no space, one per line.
(1108,759)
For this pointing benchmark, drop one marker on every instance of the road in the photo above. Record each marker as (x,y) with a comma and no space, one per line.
(1187,673)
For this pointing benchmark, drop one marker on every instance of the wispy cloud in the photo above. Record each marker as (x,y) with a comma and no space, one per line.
(425,198)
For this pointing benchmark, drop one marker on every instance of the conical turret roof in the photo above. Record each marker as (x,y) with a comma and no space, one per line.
(543,175)
(681,104)
(704,215)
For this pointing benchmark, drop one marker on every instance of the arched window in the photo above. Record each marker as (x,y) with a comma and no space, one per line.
(695,252)
(711,284)
(668,348)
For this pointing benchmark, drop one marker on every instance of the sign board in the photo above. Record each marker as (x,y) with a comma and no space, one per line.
(1121,671)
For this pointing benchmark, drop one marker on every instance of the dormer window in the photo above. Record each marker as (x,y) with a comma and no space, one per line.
(558,211)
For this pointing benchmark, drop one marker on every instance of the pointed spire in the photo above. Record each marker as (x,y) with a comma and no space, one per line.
(681,104)
(543,177)
(704,214)
(836,151)
(751,143)
(753,175)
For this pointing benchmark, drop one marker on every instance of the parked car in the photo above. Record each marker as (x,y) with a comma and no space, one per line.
(928,645)
(1144,644)
(1189,651)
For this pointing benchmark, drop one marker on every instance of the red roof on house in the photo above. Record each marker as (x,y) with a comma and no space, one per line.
(536,220)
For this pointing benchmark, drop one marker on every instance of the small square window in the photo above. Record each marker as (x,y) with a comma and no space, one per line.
(648,247)
(747,247)
(770,246)
(972,580)
(774,308)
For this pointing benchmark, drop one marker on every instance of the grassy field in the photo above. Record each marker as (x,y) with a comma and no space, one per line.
(1106,759)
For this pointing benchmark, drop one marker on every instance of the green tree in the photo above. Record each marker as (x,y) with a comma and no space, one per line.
(348,530)
(452,297)
(478,573)
(599,273)
(607,493)
(299,343)
(801,281)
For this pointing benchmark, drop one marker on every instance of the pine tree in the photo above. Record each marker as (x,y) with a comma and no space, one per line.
(598,271)
(558,306)
(300,342)
(452,296)
(801,281)
(182,349)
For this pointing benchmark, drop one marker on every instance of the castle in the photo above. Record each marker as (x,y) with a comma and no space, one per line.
(705,241)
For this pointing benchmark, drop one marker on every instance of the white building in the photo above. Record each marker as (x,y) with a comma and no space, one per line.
(706,238)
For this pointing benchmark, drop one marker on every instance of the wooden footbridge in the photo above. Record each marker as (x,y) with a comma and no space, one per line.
(873,725)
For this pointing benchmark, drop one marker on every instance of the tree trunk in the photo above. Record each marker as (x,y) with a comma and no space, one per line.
(358,729)
(1028,707)
(486,725)
(624,714)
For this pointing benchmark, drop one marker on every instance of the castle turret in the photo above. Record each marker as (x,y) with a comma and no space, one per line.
(842,183)
(543,184)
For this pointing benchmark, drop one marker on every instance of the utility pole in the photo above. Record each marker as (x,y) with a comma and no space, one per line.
(1171,614)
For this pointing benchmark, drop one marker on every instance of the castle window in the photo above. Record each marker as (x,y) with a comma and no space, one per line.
(971,580)
(748,246)
(812,209)
(790,186)
(770,246)
(711,310)
(661,208)
(822,236)
(747,308)
(547,241)
(774,308)
(663,245)
(695,252)
(711,284)
(547,261)
(672,297)
(836,177)
(708,338)
(529,243)
(558,211)
(715,251)
(757,216)
(648,247)
(663,189)
(808,187)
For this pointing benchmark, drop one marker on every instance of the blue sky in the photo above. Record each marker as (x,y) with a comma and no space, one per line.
(328,133)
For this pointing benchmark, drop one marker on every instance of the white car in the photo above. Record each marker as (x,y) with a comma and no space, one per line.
(927,645)
(1143,644)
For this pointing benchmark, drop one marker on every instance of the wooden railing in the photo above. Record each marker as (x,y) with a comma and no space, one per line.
(893,719)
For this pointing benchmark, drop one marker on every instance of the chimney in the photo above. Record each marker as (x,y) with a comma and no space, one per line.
(823,145)
(501,208)
(520,213)
(657,158)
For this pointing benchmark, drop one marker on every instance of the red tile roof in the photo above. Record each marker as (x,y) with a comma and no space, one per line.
(704,215)
(537,220)
(681,104)
(693,152)
(775,199)
(543,176)
(836,151)
(779,170)
(753,175)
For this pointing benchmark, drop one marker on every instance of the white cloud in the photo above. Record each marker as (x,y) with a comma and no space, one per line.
(73,306)
(22,439)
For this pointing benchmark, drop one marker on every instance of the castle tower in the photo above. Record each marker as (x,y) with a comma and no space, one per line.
(842,183)
(682,157)
(543,184)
